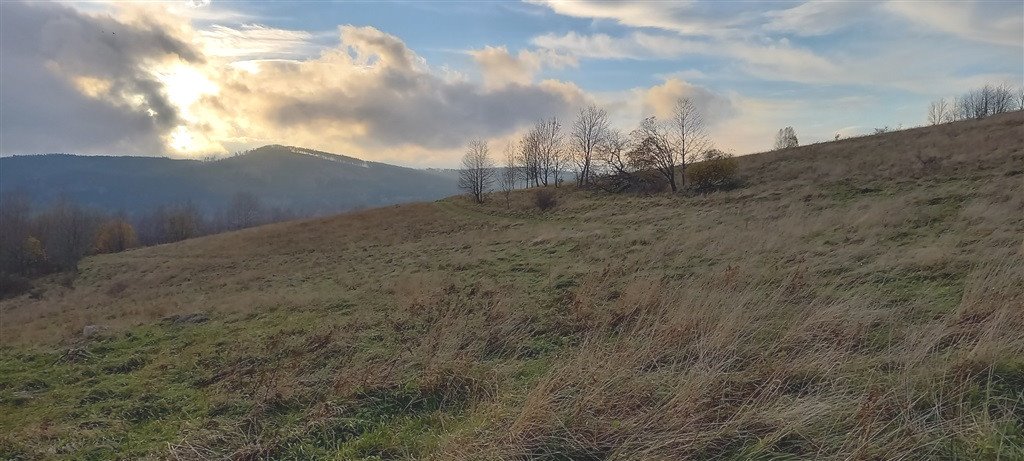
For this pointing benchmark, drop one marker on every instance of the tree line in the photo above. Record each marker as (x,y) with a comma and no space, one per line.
(655,155)
(38,241)
(976,104)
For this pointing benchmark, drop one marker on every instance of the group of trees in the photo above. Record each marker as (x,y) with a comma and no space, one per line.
(976,104)
(39,241)
(542,154)
(597,154)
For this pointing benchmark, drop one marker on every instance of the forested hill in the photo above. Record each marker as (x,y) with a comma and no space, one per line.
(303,181)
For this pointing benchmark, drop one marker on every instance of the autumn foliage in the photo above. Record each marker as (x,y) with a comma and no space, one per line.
(115,235)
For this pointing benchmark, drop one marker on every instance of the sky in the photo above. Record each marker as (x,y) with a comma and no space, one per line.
(412,83)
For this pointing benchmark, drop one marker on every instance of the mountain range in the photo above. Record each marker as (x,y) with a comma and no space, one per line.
(302,181)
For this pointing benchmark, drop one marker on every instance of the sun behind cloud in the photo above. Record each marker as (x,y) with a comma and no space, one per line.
(188,78)
(185,85)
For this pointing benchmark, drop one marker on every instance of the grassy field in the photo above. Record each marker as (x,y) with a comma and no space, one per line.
(862,299)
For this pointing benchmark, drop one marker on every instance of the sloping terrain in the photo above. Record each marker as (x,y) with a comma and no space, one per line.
(301,180)
(855,300)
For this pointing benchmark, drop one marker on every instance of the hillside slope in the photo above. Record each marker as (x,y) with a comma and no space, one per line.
(303,181)
(850,302)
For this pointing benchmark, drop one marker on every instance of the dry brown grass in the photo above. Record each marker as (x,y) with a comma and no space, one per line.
(844,304)
(704,372)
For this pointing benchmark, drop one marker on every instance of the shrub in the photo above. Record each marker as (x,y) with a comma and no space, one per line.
(640,182)
(114,236)
(545,199)
(715,170)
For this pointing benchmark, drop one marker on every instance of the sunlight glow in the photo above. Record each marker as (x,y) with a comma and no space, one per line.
(184,86)
(182,140)
(91,86)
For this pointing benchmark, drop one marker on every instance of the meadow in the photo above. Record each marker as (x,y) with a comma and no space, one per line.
(858,299)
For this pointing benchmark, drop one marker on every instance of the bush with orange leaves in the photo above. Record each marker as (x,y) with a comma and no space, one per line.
(115,235)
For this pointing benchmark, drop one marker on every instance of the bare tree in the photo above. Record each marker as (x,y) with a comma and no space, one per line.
(786,138)
(985,101)
(614,153)
(616,159)
(587,133)
(652,149)
(689,134)
(550,154)
(1020,98)
(939,111)
(509,174)
(961,108)
(477,172)
(181,222)
(1003,99)
(245,210)
(559,158)
(529,156)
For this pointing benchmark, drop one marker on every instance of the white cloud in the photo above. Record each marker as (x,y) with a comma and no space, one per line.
(256,41)
(659,100)
(774,60)
(782,61)
(501,68)
(637,45)
(373,97)
(161,84)
(1000,23)
(815,18)
(218,78)
(678,16)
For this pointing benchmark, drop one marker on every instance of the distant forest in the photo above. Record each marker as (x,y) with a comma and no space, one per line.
(55,209)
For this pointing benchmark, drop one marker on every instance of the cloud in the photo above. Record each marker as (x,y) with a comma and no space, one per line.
(815,18)
(637,45)
(779,60)
(256,41)
(501,68)
(119,82)
(913,66)
(749,45)
(186,81)
(1000,23)
(682,17)
(374,97)
(659,100)
(77,82)
(769,59)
